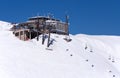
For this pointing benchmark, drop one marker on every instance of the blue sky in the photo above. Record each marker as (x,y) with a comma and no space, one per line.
(95,17)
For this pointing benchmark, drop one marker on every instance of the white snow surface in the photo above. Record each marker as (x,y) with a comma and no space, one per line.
(86,56)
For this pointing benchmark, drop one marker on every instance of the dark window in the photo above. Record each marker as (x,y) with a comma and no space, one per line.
(21,32)
(17,34)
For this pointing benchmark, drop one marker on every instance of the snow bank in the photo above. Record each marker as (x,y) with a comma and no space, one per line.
(5,25)
(84,57)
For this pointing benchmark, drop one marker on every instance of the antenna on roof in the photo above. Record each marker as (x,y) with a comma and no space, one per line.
(50,15)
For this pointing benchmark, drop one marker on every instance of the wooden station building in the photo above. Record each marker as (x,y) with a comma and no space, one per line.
(39,25)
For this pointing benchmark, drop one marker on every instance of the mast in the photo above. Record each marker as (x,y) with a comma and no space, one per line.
(43,33)
(49,31)
(67,25)
(38,29)
(67,29)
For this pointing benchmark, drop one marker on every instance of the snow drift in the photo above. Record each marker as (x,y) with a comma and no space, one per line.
(84,57)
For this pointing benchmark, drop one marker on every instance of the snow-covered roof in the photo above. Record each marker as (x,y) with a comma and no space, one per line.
(42,17)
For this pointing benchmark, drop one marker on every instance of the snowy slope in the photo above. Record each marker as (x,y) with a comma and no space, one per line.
(84,57)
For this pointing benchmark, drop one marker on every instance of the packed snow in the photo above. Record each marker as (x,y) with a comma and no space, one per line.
(85,56)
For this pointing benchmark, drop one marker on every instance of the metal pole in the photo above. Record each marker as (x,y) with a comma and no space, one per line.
(38,30)
(49,28)
(43,33)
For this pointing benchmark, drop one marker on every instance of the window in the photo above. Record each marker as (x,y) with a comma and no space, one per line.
(17,34)
(21,32)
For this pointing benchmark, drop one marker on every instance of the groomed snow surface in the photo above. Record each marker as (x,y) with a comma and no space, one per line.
(84,57)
